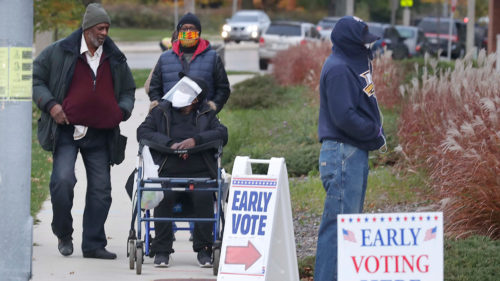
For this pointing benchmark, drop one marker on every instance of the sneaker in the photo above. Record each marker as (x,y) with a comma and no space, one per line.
(162,259)
(205,257)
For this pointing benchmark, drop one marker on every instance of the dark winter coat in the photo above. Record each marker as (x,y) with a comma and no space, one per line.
(52,75)
(204,64)
(157,128)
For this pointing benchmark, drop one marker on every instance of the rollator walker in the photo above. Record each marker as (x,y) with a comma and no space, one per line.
(139,244)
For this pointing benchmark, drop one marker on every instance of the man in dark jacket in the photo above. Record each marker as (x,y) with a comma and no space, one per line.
(183,126)
(349,126)
(194,56)
(84,88)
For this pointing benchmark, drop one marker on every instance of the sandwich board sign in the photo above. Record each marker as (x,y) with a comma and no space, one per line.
(390,247)
(259,242)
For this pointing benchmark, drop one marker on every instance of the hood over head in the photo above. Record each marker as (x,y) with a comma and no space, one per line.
(350,36)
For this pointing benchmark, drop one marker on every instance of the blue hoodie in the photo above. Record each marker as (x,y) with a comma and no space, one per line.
(349,111)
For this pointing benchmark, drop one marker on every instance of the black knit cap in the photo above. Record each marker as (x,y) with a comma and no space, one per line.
(189,18)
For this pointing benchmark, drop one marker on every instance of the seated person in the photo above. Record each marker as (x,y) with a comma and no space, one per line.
(183,123)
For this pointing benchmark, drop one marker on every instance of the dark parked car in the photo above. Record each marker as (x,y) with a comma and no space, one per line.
(437,32)
(415,39)
(390,39)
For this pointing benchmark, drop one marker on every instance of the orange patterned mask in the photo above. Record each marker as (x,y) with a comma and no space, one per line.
(189,38)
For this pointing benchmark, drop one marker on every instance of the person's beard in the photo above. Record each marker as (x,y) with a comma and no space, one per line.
(95,40)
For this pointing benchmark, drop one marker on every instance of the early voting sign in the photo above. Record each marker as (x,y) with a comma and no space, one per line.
(259,242)
(390,247)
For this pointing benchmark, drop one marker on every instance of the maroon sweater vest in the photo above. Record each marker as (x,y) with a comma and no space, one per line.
(91,102)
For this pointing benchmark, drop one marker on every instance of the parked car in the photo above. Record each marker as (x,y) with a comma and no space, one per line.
(281,35)
(415,39)
(326,25)
(390,39)
(437,32)
(245,25)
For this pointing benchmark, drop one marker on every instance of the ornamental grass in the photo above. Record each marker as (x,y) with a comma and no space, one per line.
(450,125)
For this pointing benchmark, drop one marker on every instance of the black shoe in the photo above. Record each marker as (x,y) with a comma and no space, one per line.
(65,247)
(205,257)
(100,254)
(162,259)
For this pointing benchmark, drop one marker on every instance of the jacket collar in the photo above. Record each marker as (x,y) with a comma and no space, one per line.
(203,46)
(72,44)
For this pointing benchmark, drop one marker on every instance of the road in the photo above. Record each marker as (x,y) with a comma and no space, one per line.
(239,57)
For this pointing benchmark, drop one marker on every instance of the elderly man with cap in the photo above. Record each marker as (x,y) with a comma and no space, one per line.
(194,56)
(84,88)
(350,125)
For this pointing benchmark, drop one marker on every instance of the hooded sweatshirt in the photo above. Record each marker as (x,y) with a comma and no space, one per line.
(349,111)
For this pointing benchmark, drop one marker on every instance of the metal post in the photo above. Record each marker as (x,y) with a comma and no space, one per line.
(394,7)
(406,16)
(470,26)
(349,8)
(16,224)
(235,6)
(450,32)
(176,14)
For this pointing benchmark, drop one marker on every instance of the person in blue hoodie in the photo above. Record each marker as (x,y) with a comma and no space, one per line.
(350,125)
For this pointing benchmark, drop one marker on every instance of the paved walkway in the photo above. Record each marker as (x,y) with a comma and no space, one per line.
(49,265)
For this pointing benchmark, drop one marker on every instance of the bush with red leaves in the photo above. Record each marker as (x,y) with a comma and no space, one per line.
(301,64)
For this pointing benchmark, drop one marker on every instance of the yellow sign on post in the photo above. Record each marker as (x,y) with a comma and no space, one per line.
(16,71)
(406,3)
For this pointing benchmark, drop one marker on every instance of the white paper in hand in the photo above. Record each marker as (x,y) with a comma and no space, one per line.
(183,93)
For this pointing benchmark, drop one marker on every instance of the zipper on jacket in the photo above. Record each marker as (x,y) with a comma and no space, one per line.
(168,134)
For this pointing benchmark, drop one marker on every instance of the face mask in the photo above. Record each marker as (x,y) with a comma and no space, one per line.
(189,38)
(369,45)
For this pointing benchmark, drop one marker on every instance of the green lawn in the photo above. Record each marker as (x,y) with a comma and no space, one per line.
(41,167)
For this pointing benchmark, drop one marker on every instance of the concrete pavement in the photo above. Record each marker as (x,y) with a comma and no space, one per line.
(50,265)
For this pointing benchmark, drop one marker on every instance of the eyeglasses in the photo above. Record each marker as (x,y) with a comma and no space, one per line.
(188,28)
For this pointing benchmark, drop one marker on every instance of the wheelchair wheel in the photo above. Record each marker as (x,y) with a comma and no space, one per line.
(131,253)
(216,257)
(139,256)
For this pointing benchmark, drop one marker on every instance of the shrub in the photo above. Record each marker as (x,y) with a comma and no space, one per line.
(452,123)
(256,93)
(161,15)
(290,64)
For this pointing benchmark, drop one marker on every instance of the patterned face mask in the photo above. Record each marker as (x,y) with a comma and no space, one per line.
(189,38)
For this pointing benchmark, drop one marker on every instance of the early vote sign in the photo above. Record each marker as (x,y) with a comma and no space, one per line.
(390,247)
(258,243)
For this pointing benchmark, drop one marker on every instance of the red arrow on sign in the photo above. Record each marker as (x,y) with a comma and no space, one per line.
(246,255)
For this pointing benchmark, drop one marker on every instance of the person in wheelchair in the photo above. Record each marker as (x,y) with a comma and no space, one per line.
(183,120)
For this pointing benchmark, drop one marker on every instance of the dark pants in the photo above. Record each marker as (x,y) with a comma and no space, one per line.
(201,205)
(95,154)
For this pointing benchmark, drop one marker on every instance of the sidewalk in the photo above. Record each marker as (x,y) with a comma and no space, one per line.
(50,265)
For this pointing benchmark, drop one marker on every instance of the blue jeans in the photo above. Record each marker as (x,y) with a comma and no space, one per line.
(344,172)
(95,154)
